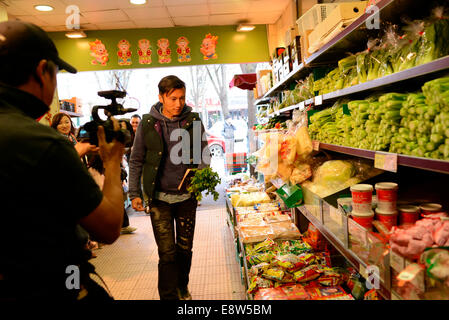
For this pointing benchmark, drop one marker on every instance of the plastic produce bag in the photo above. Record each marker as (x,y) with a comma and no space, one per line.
(436,261)
(285,230)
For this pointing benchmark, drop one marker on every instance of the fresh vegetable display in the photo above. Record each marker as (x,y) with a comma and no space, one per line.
(407,123)
(278,122)
(419,43)
(204,180)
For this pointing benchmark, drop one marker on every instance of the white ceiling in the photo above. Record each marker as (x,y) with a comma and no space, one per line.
(121,14)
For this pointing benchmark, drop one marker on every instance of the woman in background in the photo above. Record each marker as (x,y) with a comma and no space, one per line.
(62,123)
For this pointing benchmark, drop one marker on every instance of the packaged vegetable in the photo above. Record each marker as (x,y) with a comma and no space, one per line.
(255,234)
(285,230)
(300,173)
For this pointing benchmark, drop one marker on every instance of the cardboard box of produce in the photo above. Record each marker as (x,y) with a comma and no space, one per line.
(338,19)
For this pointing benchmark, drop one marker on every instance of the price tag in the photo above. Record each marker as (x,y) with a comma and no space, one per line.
(318,100)
(316,145)
(386,161)
(362,271)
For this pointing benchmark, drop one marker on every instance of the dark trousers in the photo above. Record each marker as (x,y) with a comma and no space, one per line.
(125,219)
(173,228)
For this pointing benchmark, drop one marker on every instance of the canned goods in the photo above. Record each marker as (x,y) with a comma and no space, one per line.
(362,196)
(408,214)
(364,219)
(386,195)
(388,218)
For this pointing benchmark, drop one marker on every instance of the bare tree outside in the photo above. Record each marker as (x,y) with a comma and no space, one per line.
(114,79)
(250,68)
(198,89)
(217,75)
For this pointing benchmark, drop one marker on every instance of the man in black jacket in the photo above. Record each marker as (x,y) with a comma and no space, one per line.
(169,140)
(46,190)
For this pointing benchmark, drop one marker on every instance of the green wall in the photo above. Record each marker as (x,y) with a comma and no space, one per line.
(233,47)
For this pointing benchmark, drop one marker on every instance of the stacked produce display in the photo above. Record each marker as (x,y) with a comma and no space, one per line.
(406,123)
(419,42)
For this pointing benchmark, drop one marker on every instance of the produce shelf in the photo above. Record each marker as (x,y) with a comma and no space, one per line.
(436,165)
(354,37)
(262,101)
(297,73)
(350,256)
(408,76)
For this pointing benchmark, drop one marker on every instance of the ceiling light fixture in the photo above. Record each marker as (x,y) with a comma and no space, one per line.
(138,1)
(43,8)
(76,34)
(245,27)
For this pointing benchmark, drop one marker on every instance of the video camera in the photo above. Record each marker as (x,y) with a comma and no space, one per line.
(88,132)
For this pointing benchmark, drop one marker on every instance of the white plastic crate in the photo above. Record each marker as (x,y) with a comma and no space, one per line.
(314,16)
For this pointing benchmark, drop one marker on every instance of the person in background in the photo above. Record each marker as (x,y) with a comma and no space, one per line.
(228,135)
(135,120)
(172,212)
(64,125)
(47,262)
(125,125)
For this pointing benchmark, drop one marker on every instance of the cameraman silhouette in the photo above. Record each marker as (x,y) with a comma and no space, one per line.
(47,261)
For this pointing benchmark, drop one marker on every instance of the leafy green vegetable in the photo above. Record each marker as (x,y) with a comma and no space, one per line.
(204,180)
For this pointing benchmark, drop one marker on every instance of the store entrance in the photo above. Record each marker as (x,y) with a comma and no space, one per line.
(207,92)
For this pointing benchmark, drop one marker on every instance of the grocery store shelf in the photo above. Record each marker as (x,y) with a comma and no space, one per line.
(415,76)
(353,38)
(409,75)
(297,73)
(348,38)
(436,165)
(262,101)
(350,256)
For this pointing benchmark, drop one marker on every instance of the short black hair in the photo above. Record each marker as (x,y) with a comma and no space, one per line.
(170,83)
(15,75)
(136,116)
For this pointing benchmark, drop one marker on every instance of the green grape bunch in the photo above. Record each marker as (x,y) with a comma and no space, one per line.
(204,179)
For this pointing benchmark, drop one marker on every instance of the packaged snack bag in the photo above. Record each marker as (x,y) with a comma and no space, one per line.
(264,246)
(328,293)
(299,246)
(258,269)
(295,292)
(258,283)
(273,274)
(270,294)
(372,295)
(259,258)
(307,274)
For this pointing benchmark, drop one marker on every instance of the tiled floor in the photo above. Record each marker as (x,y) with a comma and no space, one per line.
(129,266)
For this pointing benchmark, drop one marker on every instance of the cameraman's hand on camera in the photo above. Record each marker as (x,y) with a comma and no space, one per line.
(105,222)
(84,148)
(110,153)
(137,204)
